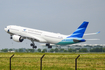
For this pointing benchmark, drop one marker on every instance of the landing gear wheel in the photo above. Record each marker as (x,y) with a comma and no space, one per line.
(49,46)
(31,44)
(34,47)
(10,36)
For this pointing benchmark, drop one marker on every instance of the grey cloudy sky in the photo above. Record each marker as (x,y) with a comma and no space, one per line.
(59,16)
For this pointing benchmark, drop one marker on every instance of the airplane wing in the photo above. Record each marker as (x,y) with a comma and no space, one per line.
(92,33)
(35,38)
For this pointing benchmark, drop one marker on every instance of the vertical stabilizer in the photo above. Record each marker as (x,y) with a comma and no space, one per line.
(80,30)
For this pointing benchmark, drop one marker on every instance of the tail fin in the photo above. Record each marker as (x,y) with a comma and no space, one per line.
(80,31)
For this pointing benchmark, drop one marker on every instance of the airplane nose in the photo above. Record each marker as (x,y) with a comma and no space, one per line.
(6,29)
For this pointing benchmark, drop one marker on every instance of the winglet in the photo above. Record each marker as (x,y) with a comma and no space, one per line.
(98,32)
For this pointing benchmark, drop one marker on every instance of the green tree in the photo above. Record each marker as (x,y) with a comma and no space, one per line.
(31,50)
(45,50)
(83,50)
(39,50)
(10,49)
(52,50)
(96,50)
(70,50)
(27,50)
(4,50)
(65,50)
(56,50)
(16,50)
(20,50)
(103,49)
(61,50)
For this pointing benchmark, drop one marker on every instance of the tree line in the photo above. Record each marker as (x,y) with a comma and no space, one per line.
(53,50)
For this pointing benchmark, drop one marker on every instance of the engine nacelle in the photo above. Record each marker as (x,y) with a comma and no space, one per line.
(17,38)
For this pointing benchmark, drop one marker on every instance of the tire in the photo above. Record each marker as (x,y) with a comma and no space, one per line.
(31,44)
(34,47)
(10,37)
(49,46)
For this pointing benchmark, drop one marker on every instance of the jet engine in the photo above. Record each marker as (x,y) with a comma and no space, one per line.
(17,38)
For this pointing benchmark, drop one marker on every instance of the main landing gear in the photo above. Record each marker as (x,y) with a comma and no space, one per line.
(33,45)
(49,46)
(10,36)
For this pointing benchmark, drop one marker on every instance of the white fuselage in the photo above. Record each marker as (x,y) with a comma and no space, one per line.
(19,33)
(42,36)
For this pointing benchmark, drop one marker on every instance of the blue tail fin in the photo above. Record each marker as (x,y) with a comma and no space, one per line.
(80,31)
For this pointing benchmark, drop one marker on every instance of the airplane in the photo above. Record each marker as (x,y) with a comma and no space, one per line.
(18,34)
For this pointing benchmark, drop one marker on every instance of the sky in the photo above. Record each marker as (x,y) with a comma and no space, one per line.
(59,16)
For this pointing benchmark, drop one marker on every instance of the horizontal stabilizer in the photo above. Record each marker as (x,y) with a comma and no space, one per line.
(92,33)
(92,39)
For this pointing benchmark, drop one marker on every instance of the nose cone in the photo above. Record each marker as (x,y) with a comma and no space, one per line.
(6,29)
